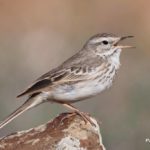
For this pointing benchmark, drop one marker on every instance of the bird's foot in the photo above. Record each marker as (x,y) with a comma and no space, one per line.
(85,117)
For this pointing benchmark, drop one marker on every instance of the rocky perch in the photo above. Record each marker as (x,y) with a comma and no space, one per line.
(65,132)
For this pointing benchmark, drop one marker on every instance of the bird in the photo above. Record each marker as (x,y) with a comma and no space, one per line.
(87,73)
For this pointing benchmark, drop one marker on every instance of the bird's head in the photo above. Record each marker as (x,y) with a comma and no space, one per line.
(106,45)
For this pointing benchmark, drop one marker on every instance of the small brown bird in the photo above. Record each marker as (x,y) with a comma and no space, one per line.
(89,72)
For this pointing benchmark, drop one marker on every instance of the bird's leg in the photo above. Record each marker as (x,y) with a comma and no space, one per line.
(85,117)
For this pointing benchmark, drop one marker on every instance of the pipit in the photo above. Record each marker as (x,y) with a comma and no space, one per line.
(87,73)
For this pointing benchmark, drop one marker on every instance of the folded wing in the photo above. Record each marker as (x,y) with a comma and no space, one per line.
(57,76)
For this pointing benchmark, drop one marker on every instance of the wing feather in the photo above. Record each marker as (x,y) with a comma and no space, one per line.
(53,78)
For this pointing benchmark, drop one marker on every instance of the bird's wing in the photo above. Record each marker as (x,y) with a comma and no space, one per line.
(59,76)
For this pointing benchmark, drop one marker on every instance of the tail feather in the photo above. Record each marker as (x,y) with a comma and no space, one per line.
(30,103)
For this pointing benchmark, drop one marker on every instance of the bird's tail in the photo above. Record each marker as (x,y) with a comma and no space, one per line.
(30,103)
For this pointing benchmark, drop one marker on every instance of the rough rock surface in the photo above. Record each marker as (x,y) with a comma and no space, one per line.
(65,132)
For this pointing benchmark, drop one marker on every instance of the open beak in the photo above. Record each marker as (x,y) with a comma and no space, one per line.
(123,46)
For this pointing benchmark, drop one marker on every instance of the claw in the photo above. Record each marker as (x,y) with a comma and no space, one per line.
(86,118)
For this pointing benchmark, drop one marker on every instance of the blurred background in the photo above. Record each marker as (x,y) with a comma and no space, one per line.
(38,35)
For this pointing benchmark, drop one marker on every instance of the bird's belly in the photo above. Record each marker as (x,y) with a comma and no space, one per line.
(79,91)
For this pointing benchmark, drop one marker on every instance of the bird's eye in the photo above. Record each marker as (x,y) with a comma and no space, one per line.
(105,42)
